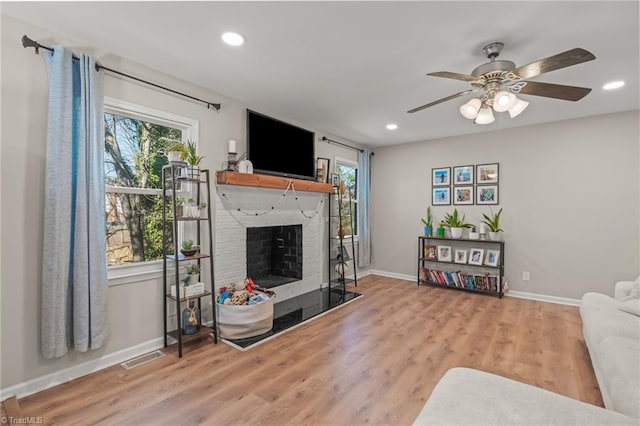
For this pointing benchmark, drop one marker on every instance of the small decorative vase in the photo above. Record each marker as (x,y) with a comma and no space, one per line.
(456,232)
(175,157)
(474,235)
(440,231)
(194,278)
(428,230)
(191,319)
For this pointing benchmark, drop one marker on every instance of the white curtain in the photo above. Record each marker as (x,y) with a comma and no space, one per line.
(74,270)
(364,188)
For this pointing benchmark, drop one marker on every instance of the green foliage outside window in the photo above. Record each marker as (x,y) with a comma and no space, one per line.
(134,157)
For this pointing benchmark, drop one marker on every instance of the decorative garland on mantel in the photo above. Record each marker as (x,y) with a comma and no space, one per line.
(290,186)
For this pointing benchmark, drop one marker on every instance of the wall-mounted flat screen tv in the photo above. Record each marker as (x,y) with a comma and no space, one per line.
(278,148)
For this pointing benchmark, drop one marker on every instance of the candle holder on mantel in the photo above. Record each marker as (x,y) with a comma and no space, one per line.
(232,152)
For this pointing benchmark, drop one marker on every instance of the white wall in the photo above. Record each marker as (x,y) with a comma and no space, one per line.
(569,191)
(135,310)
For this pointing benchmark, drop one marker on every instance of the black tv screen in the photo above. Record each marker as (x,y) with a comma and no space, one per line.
(278,148)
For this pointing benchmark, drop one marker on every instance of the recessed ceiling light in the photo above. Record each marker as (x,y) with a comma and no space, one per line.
(233,39)
(392,126)
(613,85)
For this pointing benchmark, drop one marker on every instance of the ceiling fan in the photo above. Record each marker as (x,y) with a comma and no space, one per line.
(499,80)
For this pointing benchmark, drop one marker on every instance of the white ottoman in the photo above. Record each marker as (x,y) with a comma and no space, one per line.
(471,397)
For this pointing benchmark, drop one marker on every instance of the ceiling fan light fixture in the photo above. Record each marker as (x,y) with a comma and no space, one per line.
(517,108)
(485,116)
(470,109)
(503,100)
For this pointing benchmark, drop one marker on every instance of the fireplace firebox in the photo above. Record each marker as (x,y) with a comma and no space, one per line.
(274,254)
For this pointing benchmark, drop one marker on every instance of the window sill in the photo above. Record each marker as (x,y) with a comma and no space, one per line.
(128,274)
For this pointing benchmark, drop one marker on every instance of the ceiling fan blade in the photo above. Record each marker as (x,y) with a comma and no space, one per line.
(557,91)
(454,75)
(439,101)
(555,62)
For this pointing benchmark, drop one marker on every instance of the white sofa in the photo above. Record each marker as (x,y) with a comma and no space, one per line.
(612,334)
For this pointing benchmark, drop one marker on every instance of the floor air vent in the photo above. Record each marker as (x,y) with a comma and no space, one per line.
(142,359)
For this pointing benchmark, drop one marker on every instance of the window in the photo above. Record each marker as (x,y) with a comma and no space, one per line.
(348,172)
(135,140)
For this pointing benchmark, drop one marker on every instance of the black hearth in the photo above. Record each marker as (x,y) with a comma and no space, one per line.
(274,254)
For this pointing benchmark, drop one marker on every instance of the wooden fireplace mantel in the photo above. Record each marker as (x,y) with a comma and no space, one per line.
(226,177)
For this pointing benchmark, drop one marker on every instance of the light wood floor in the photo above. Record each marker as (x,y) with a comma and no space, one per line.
(373,361)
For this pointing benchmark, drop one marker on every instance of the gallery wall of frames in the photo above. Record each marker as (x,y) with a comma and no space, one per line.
(465,185)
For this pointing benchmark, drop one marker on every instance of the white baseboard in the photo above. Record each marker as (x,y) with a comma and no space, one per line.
(543,298)
(510,293)
(44,382)
(393,275)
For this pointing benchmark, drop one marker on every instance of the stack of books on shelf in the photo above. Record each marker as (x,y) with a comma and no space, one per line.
(485,282)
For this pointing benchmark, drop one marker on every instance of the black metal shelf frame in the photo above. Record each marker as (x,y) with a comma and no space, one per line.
(170,181)
(449,265)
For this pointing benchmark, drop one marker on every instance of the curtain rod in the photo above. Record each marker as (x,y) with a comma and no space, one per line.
(27,42)
(326,139)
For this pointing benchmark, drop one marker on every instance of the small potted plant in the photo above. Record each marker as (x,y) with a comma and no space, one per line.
(455,222)
(191,208)
(179,206)
(201,208)
(428,222)
(493,223)
(193,159)
(193,272)
(176,153)
(189,248)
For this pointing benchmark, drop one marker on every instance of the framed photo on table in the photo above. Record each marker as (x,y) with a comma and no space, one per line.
(475,256)
(463,175)
(441,196)
(460,256)
(444,253)
(322,170)
(463,195)
(492,257)
(441,176)
(335,180)
(487,194)
(487,173)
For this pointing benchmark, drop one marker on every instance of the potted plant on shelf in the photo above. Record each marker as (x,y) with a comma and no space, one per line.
(455,222)
(189,248)
(176,153)
(179,206)
(193,272)
(191,209)
(201,208)
(428,222)
(493,222)
(193,159)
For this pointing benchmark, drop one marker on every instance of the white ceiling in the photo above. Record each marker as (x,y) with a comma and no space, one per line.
(349,68)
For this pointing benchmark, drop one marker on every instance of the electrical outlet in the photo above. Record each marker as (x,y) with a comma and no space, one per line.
(526,276)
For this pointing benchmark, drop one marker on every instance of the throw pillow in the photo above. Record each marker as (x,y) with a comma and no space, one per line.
(631,306)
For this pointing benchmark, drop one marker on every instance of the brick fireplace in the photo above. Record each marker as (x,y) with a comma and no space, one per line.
(243,208)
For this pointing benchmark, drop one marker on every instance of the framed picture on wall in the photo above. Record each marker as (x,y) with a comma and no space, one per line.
(441,196)
(487,173)
(463,175)
(487,194)
(463,194)
(475,256)
(441,176)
